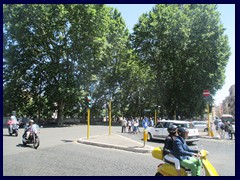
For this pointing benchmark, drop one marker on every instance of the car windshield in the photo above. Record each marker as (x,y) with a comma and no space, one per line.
(186,125)
(199,123)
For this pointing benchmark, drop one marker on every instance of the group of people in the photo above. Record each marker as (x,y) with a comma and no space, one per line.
(132,124)
(225,128)
(176,150)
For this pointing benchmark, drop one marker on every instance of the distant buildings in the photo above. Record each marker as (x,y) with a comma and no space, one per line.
(228,104)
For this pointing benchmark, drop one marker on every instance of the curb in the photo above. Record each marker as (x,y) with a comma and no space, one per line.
(207,137)
(132,149)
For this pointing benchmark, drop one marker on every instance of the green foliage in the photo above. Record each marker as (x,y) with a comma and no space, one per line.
(54,53)
(186,47)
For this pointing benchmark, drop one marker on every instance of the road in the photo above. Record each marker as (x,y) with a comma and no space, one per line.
(60,155)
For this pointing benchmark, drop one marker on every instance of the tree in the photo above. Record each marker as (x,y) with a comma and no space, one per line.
(185,47)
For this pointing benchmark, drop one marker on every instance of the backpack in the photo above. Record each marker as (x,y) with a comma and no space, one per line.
(222,126)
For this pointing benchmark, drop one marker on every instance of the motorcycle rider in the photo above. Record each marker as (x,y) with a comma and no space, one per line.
(27,130)
(168,147)
(186,155)
(12,120)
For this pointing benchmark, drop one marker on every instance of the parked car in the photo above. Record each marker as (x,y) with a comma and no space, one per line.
(23,122)
(160,130)
(200,125)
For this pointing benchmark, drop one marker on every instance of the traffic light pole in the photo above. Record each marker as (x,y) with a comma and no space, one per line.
(208,119)
(88,123)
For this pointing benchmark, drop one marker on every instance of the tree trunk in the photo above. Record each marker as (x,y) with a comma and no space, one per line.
(61,106)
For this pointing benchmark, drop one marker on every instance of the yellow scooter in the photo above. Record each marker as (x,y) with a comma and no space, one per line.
(167,169)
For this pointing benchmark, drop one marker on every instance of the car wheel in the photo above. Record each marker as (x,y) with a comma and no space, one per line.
(149,138)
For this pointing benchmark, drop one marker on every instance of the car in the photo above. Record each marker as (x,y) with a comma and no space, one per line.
(23,122)
(200,125)
(160,132)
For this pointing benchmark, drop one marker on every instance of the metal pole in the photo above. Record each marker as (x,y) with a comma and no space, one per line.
(110,116)
(209,128)
(88,123)
(145,136)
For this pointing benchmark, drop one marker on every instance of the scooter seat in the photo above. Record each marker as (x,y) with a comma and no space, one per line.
(169,162)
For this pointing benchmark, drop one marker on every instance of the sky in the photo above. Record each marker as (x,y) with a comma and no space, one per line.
(131,13)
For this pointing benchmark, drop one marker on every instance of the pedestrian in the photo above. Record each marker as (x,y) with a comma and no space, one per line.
(124,125)
(129,125)
(137,122)
(232,130)
(227,129)
(151,122)
(145,123)
(221,130)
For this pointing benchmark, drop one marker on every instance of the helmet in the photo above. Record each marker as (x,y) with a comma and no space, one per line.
(182,131)
(31,121)
(172,129)
(13,118)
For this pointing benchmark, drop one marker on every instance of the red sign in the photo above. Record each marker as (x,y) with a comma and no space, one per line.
(206,93)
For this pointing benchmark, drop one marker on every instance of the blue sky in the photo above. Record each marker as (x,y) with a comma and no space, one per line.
(131,13)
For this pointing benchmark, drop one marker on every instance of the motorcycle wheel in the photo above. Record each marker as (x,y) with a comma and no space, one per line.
(158,174)
(36,143)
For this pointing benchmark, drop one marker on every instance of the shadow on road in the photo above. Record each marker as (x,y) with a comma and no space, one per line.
(67,141)
(9,135)
(21,145)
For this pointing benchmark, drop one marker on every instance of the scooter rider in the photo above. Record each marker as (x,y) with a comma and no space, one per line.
(27,131)
(12,120)
(168,147)
(186,155)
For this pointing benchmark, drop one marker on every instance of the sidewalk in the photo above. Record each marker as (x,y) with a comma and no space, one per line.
(117,142)
(206,136)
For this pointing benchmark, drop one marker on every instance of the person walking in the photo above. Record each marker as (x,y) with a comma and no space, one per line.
(129,124)
(221,130)
(232,130)
(227,129)
(137,123)
(124,125)
(145,123)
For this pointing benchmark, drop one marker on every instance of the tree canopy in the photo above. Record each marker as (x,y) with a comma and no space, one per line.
(54,53)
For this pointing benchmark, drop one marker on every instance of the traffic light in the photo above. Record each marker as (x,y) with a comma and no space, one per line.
(210,108)
(89,101)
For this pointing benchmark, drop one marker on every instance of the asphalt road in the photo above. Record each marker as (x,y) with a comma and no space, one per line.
(60,155)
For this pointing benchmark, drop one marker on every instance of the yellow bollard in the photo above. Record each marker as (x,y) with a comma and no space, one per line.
(145,137)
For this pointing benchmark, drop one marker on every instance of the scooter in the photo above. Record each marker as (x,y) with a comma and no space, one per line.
(168,169)
(12,128)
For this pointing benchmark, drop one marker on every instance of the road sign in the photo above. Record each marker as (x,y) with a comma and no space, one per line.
(206,93)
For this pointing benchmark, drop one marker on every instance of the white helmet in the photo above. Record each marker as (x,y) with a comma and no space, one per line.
(13,118)
(31,121)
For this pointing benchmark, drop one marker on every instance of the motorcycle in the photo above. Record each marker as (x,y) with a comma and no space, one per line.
(12,128)
(33,136)
(168,168)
